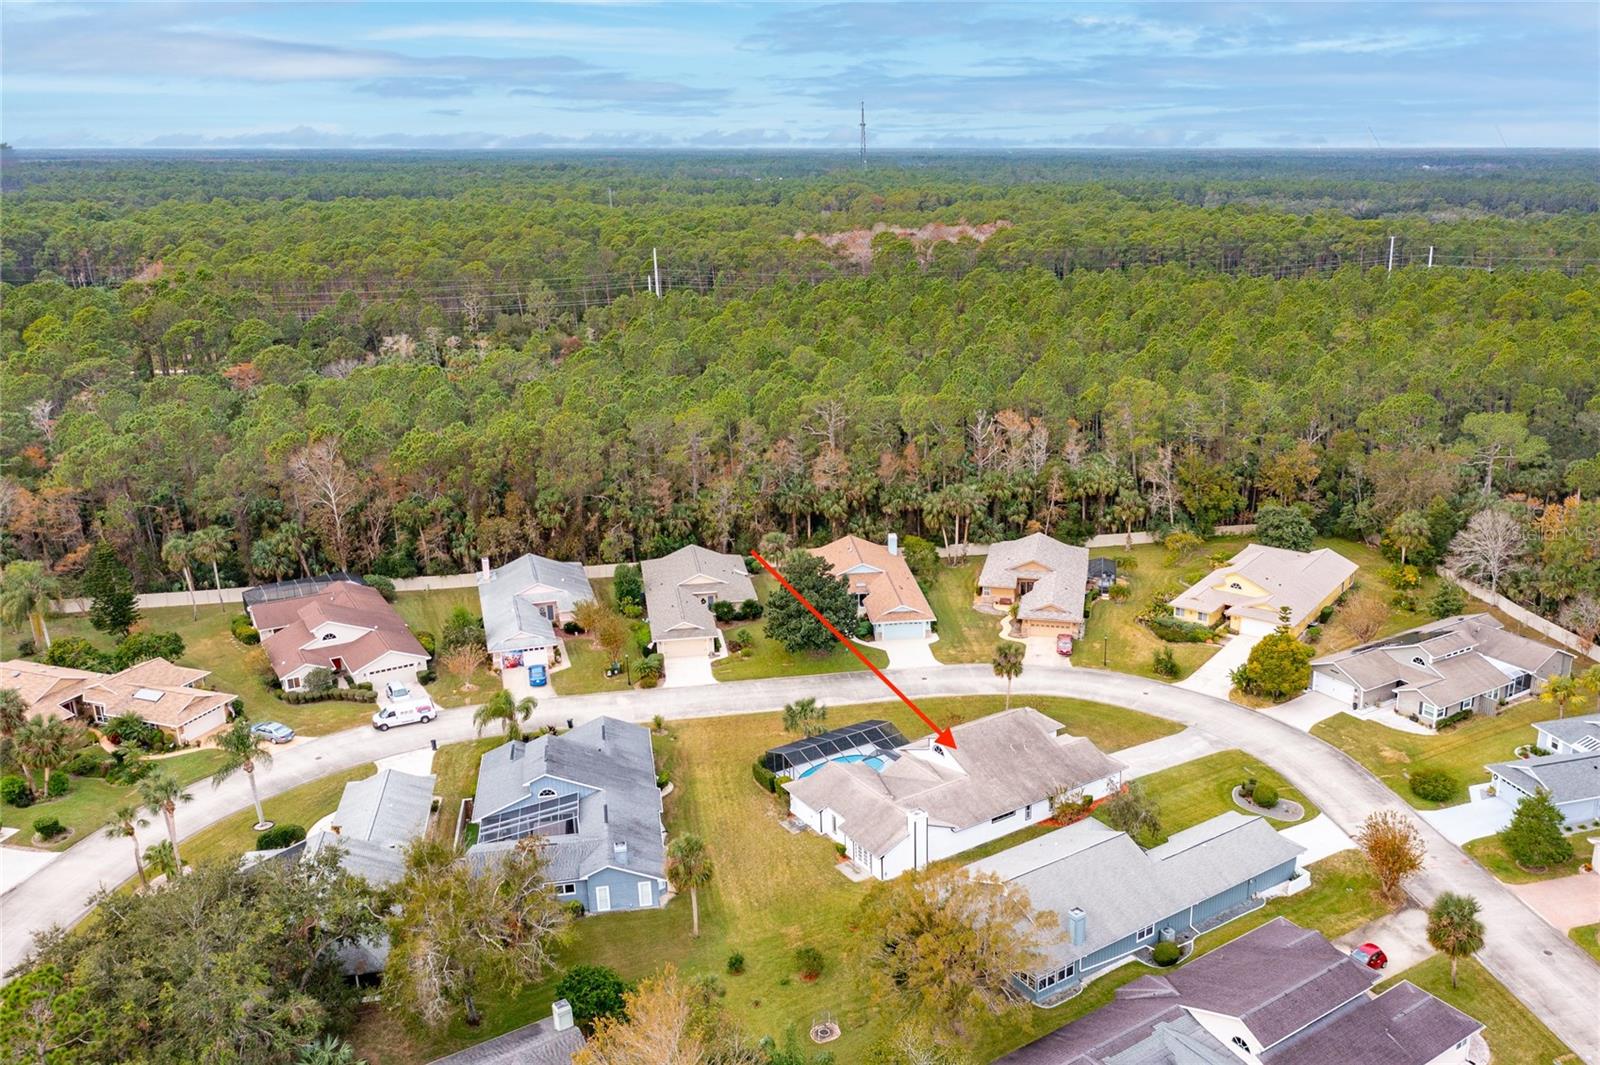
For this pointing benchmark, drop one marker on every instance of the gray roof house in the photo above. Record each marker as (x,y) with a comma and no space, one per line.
(525,599)
(924,801)
(550,1041)
(1464,663)
(1278,995)
(679,590)
(1111,898)
(1044,577)
(1570,774)
(376,821)
(590,794)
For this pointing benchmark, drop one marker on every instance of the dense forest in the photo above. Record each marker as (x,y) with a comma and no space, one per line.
(398,363)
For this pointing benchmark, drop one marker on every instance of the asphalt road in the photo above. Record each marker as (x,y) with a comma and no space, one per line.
(1546,971)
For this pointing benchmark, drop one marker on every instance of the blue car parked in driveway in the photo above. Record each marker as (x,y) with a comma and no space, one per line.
(275,731)
(538,676)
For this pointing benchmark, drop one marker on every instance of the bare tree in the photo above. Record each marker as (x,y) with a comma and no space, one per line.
(1581,614)
(1364,615)
(1393,848)
(1486,548)
(830,422)
(1159,473)
(327,492)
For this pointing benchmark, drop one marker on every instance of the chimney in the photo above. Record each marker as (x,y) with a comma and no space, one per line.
(619,850)
(1077,926)
(894,543)
(561,1014)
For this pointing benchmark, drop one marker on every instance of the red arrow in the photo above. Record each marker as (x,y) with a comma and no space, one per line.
(941,735)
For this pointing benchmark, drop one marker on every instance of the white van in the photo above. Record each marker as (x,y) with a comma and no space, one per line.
(415,713)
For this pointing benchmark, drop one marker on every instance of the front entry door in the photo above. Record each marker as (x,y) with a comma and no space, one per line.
(602,898)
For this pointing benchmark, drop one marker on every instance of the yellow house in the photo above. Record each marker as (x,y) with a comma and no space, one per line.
(1251,590)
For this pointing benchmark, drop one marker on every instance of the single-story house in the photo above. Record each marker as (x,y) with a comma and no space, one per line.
(591,795)
(523,602)
(160,693)
(1570,776)
(551,1041)
(1432,672)
(678,593)
(343,626)
(1277,995)
(1258,582)
(1111,898)
(1044,578)
(885,592)
(924,801)
(377,819)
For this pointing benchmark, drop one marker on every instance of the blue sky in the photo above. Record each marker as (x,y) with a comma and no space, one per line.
(777,75)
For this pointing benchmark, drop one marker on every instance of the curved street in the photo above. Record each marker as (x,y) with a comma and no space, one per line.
(1543,968)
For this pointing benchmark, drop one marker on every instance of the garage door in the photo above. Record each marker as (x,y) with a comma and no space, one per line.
(903,630)
(684,648)
(1252,627)
(1338,689)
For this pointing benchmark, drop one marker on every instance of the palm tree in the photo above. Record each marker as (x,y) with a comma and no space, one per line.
(161,793)
(178,553)
(503,708)
(125,822)
(689,866)
(162,860)
(41,744)
(13,712)
(1454,928)
(26,589)
(1409,532)
(1565,692)
(244,749)
(329,1050)
(1007,663)
(210,546)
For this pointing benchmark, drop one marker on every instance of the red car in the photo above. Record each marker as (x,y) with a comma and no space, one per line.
(1064,645)
(1371,955)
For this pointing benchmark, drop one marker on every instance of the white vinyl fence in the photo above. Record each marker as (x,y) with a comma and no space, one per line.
(1546,628)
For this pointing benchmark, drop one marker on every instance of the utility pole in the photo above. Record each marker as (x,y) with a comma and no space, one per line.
(863,134)
(1391,254)
(655,263)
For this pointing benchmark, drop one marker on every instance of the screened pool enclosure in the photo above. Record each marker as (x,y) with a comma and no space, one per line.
(873,742)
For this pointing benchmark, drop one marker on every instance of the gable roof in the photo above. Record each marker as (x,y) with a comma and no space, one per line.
(1299,580)
(376,821)
(346,603)
(1405,1025)
(159,692)
(612,757)
(508,597)
(44,687)
(1001,763)
(1569,777)
(892,593)
(532,1044)
(674,609)
(1578,731)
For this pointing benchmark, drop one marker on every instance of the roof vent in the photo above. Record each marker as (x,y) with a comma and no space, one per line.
(619,849)
(149,695)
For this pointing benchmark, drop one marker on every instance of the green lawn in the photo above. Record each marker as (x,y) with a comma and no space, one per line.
(965,634)
(428,612)
(1199,790)
(1113,637)
(1588,937)
(1492,855)
(1461,750)
(85,808)
(236,834)
(1515,1035)
(767,658)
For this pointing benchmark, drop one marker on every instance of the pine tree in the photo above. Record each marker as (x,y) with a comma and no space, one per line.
(1535,836)
(109,586)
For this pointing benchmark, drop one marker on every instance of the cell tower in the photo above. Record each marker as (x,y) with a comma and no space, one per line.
(863,134)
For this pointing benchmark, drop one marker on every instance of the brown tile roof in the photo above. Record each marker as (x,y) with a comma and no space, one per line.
(342,603)
(892,592)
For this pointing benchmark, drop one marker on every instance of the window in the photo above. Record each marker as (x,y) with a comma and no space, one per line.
(565,890)
(1146,932)
(328,636)
(1002,817)
(291,683)
(1239,1042)
(547,793)
(1024,587)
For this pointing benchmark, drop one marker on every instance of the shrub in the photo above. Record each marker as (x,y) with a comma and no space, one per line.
(1454,719)
(1447,600)
(1126,562)
(574,908)
(1285,527)
(1325,614)
(1166,953)
(319,680)
(27,648)
(750,610)
(14,791)
(1164,663)
(764,776)
(1120,592)
(571,628)
(741,640)
(426,639)
(58,783)
(279,836)
(1435,785)
(1313,634)
(723,611)
(462,629)
(243,631)
(339,695)
(89,762)
(808,962)
(627,586)
(1266,796)
(735,963)
(1172,630)
(1403,578)
(384,585)
(864,629)
(841,849)
(593,991)
(74,652)
(49,827)
(663,779)
(139,647)
(1248,788)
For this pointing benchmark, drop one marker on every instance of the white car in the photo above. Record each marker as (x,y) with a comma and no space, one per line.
(397,691)
(414,713)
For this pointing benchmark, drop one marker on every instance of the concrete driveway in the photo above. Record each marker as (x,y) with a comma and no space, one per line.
(1304,710)
(1403,937)
(1319,836)
(907,654)
(1215,676)
(1482,815)
(688,673)
(1168,751)
(1567,902)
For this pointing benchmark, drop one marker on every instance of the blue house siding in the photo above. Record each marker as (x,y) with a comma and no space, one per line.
(623,887)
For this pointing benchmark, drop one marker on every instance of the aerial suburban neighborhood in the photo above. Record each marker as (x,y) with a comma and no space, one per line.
(799,534)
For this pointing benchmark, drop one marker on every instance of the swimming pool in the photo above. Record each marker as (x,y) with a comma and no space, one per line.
(874,762)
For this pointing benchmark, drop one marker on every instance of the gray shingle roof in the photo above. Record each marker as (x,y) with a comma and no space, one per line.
(615,758)
(534,1044)
(376,821)
(1568,777)
(508,596)
(1573,730)
(1403,1026)
(1467,637)
(1123,889)
(672,586)
(1058,594)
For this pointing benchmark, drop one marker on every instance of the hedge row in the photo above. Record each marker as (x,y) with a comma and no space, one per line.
(339,695)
